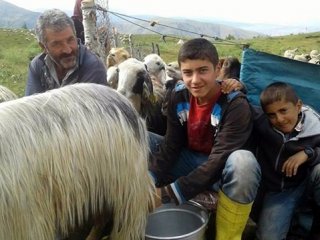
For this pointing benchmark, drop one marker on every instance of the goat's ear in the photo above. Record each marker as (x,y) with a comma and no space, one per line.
(147,95)
(147,92)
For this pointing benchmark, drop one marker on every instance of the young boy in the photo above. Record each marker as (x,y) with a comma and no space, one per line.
(202,148)
(288,153)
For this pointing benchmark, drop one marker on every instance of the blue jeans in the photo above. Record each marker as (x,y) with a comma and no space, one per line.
(278,207)
(240,176)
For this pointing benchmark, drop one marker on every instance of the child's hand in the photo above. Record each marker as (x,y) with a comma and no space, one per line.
(228,85)
(290,167)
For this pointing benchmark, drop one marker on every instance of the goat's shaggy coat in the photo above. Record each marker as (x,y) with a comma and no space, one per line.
(69,153)
(6,94)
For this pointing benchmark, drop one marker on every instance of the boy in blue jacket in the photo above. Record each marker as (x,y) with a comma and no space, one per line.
(206,140)
(289,155)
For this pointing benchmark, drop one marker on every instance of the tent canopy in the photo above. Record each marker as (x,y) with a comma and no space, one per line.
(260,69)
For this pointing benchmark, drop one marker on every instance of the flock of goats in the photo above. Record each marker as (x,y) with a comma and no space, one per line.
(61,166)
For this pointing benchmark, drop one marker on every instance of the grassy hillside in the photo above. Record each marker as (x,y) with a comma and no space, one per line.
(17,47)
(274,45)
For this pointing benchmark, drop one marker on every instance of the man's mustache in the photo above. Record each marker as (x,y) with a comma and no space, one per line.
(67,55)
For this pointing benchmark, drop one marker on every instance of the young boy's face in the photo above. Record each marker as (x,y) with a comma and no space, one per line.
(200,77)
(283,115)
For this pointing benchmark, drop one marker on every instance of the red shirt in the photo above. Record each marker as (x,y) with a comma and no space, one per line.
(200,131)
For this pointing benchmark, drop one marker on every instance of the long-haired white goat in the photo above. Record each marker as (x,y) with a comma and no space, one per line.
(68,154)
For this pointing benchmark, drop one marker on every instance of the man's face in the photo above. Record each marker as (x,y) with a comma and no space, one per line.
(283,115)
(62,47)
(200,77)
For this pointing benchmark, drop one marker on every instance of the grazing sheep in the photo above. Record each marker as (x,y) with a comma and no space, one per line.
(302,57)
(180,42)
(290,53)
(71,154)
(6,94)
(315,57)
(117,56)
(315,54)
(314,61)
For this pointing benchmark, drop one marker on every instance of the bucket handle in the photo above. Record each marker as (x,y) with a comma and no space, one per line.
(196,204)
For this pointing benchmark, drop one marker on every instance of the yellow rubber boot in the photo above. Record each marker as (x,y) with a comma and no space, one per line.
(231,218)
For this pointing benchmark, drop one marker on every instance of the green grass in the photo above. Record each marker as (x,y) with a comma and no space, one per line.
(274,45)
(17,47)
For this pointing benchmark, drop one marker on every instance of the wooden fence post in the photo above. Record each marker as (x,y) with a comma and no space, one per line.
(90,28)
(158,49)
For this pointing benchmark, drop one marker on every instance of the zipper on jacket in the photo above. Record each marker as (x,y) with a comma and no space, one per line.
(278,157)
(280,151)
(285,140)
(282,183)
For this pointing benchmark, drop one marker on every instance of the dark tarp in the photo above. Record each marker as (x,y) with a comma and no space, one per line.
(259,69)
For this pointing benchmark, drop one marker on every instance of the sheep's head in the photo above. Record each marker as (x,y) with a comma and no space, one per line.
(113,76)
(173,71)
(156,67)
(134,82)
(117,56)
(315,54)
(290,53)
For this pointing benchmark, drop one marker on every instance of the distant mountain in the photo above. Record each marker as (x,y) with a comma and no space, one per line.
(280,30)
(271,29)
(16,17)
(179,27)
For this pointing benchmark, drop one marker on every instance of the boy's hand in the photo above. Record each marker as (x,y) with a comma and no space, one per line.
(230,84)
(290,167)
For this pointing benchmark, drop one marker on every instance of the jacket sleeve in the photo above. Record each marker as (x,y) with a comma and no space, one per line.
(314,144)
(316,158)
(34,78)
(169,150)
(235,129)
(93,70)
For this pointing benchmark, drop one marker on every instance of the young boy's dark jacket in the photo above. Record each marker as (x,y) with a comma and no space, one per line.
(274,148)
(231,122)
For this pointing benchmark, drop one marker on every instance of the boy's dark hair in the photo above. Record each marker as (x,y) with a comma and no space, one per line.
(230,68)
(278,91)
(198,48)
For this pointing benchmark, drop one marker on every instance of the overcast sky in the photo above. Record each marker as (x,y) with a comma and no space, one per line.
(281,12)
